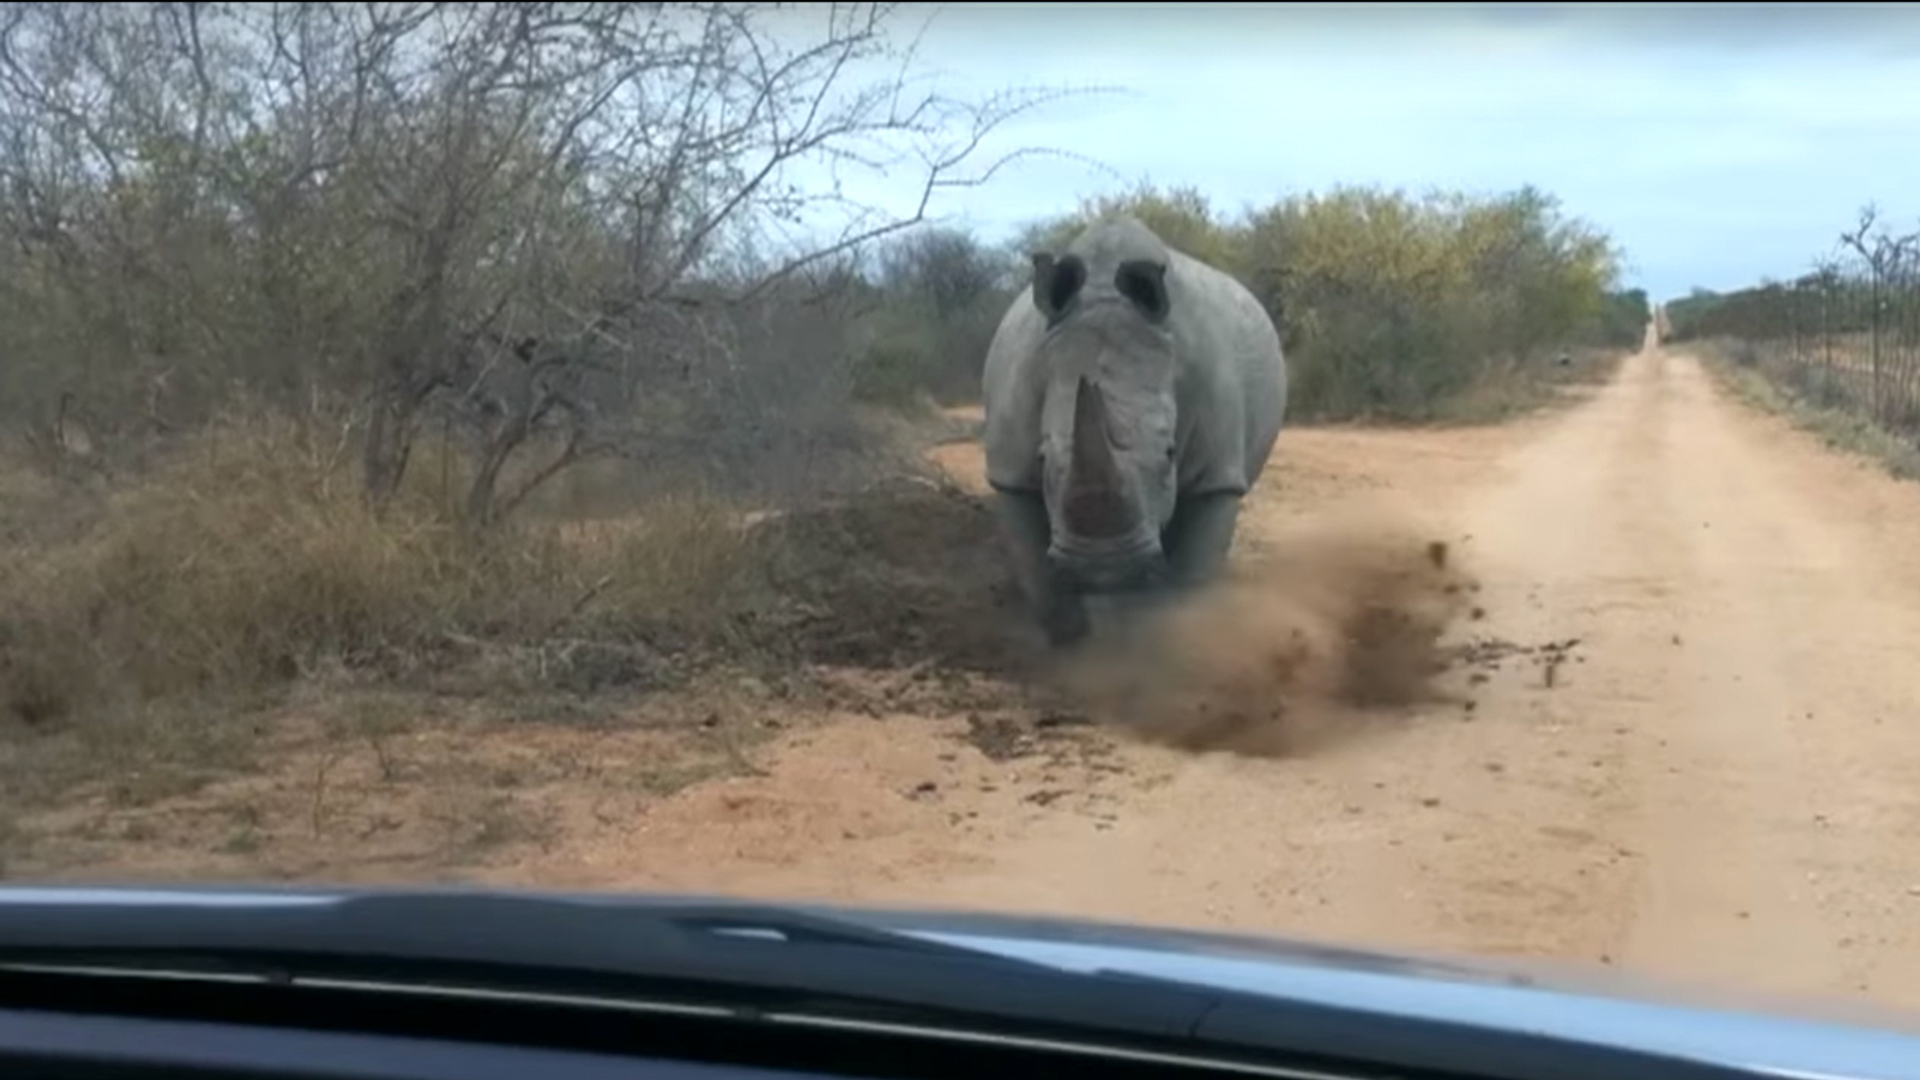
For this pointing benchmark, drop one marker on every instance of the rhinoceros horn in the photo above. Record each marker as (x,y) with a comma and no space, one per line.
(1096,504)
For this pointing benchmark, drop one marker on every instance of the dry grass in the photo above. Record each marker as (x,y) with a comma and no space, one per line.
(1523,389)
(173,631)
(249,559)
(1800,393)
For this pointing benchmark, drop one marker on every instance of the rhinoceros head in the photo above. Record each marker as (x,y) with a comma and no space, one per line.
(1108,431)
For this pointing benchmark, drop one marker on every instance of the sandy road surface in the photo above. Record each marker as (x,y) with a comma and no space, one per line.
(1722,784)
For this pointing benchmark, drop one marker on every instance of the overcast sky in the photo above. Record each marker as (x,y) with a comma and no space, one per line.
(1717,143)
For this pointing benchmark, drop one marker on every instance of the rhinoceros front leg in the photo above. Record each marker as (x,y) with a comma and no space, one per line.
(1024,525)
(1198,538)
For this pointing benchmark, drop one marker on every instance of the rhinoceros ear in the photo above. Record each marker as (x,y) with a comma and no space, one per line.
(1144,282)
(1056,283)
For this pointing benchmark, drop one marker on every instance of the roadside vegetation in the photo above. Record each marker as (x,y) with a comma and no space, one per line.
(1837,349)
(467,353)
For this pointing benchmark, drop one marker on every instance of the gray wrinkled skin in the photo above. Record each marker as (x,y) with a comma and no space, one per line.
(1133,396)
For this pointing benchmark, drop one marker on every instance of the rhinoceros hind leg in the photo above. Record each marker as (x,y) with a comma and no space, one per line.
(1198,538)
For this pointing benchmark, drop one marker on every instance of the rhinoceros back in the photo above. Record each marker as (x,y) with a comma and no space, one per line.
(1230,384)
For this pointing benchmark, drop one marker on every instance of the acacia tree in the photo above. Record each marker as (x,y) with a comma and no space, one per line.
(535,215)
(1885,255)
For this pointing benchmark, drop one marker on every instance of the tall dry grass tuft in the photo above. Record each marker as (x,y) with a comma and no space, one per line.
(249,558)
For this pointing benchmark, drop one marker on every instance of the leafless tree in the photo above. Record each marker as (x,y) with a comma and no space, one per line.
(1884,254)
(541,218)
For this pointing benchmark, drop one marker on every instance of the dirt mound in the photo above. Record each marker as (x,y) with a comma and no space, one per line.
(1293,651)
(908,574)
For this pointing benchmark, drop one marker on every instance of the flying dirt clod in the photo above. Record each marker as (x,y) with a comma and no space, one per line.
(1132,397)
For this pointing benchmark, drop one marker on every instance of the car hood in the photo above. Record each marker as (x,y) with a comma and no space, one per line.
(1775,1037)
(1770,1035)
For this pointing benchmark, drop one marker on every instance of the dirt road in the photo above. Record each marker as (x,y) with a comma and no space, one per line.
(1721,784)
(1685,743)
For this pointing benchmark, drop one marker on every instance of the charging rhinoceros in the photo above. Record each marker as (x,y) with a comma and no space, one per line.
(1132,396)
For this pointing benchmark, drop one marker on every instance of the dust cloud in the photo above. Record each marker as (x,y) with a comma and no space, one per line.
(1317,636)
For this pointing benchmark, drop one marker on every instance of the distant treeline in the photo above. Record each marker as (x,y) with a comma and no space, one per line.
(1393,306)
